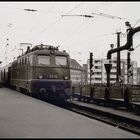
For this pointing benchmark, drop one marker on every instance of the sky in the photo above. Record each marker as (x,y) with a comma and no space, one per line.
(61,24)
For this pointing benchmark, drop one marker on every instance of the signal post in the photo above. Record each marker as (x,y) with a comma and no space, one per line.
(91,73)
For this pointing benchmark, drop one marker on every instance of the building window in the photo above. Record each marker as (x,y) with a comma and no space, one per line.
(96,61)
(97,67)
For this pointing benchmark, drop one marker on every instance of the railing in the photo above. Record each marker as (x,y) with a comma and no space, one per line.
(126,93)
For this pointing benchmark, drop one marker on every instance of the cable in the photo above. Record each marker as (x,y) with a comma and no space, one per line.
(79,27)
(73,32)
(28,10)
(82,22)
(74,8)
(108,16)
(12,8)
(43,17)
(53,23)
(137,22)
(137,46)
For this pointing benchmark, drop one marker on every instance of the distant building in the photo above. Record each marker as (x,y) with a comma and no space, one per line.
(85,68)
(99,75)
(138,75)
(78,74)
(131,75)
(81,74)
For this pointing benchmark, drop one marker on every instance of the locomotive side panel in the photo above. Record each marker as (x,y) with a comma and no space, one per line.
(21,73)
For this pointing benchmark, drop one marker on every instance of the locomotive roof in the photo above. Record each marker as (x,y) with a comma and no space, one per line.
(40,50)
(44,51)
(56,52)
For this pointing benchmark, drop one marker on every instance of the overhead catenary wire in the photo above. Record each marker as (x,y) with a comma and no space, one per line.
(43,17)
(137,22)
(72,33)
(78,27)
(13,8)
(101,14)
(93,42)
(137,46)
(85,27)
(88,16)
(35,10)
(56,21)
(108,16)
(32,10)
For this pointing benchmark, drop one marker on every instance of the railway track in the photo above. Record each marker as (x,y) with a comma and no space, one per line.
(107,117)
(117,121)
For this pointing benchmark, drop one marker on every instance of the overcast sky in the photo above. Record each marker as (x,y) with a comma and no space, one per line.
(78,35)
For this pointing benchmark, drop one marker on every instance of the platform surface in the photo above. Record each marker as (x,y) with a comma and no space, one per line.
(22,116)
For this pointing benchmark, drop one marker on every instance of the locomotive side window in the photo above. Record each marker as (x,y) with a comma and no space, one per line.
(43,60)
(61,60)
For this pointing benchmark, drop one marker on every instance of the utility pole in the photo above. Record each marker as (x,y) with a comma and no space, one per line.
(128,67)
(90,66)
(91,73)
(118,58)
(128,46)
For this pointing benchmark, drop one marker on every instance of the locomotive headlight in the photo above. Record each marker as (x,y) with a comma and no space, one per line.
(66,78)
(53,76)
(40,76)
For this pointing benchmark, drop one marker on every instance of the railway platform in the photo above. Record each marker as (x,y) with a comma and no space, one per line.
(115,103)
(22,116)
(120,112)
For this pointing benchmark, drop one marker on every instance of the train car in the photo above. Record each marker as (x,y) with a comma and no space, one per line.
(5,75)
(43,71)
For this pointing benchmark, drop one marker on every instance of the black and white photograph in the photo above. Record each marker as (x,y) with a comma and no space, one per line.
(70,69)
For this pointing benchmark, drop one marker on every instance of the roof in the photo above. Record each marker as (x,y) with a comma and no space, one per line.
(74,64)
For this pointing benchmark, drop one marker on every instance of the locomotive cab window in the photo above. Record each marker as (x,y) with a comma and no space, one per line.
(43,60)
(61,60)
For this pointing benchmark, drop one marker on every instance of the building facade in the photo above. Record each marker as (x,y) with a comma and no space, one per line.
(78,74)
(100,75)
(81,74)
(138,75)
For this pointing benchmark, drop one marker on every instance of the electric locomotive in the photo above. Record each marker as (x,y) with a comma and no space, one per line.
(42,71)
